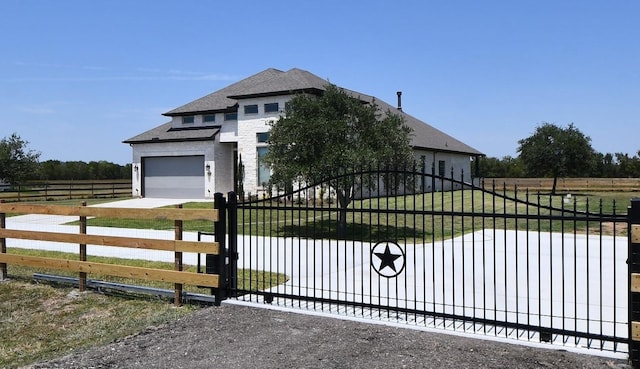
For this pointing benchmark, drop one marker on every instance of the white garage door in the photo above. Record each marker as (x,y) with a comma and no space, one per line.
(179,177)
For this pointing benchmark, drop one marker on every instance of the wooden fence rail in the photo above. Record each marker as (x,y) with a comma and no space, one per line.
(84,267)
(567,184)
(60,190)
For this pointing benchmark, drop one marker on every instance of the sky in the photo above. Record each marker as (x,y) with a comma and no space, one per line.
(79,77)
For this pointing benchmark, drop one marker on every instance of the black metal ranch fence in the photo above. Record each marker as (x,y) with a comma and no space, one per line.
(444,253)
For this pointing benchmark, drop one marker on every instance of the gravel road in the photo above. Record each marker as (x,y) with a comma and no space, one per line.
(233,336)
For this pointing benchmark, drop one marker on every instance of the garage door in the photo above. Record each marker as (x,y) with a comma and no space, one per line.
(179,177)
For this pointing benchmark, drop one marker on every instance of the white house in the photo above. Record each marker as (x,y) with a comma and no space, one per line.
(196,153)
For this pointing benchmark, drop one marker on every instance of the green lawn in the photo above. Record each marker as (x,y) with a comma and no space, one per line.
(430,216)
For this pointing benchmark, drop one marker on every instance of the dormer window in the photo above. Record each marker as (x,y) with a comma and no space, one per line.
(251,109)
(271,108)
(231,116)
(188,119)
(209,118)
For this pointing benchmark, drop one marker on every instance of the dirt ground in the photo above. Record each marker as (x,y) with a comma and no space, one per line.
(233,336)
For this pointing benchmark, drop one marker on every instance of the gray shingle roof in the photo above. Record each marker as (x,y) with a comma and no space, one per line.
(292,81)
(276,82)
(429,137)
(164,133)
(219,100)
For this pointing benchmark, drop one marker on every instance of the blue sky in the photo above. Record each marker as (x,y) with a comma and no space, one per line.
(79,77)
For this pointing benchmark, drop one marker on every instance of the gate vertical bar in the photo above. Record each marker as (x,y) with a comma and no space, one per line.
(232,253)
(634,282)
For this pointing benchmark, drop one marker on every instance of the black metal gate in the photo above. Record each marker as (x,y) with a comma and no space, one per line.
(435,251)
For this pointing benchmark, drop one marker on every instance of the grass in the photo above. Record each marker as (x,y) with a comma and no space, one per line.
(436,216)
(411,218)
(43,321)
(40,322)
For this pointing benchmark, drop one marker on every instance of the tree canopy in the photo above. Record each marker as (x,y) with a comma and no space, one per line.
(17,161)
(320,135)
(554,151)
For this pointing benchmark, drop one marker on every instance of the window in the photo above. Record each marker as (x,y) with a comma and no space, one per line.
(441,168)
(262,137)
(271,108)
(209,118)
(264,172)
(188,119)
(231,116)
(251,109)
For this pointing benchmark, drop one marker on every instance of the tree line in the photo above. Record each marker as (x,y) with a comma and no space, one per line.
(18,163)
(77,170)
(618,165)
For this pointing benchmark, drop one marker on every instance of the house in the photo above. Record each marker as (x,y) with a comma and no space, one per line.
(196,153)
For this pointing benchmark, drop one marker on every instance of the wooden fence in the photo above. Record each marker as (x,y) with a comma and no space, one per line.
(84,267)
(60,190)
(568,184)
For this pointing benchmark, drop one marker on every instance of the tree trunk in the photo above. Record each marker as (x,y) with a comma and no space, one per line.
(343,203)
(555,184)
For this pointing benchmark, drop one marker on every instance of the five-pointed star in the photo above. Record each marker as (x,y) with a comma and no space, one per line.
(387,259)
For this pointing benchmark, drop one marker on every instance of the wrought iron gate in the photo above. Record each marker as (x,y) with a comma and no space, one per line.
(438,252)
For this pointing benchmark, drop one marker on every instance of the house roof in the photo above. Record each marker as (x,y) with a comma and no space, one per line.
(428,137)
(165,133)
(292,81)
(272,82)
(220,100)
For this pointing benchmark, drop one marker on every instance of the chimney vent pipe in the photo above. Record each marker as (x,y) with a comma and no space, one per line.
(399,100)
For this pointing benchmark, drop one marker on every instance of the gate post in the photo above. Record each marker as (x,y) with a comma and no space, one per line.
(3,244)
(232,252)
(633,261)
(216,263)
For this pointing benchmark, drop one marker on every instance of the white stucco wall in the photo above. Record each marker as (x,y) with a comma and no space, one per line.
(460,164)
(143,150)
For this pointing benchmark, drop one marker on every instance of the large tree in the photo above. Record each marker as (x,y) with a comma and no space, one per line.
(554,151)
(17,162)
(319,136)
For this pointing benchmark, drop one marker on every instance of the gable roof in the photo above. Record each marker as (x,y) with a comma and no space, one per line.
(273,82)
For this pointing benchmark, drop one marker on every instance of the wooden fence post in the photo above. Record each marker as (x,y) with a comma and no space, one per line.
(633,262)
(178,260)
(3,245)
(82,276)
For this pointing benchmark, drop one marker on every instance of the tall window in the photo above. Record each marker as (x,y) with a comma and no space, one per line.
(264,172)
(251,109)
(441,168)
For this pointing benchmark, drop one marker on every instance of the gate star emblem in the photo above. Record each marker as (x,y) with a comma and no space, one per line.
(387,259)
